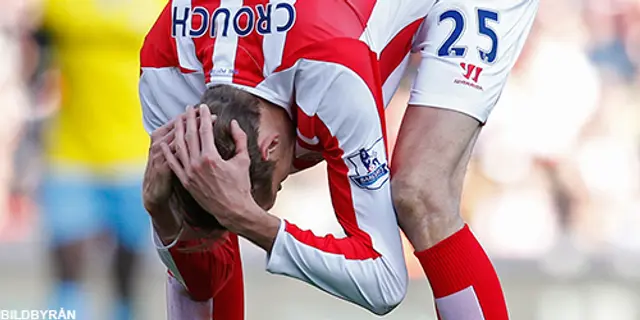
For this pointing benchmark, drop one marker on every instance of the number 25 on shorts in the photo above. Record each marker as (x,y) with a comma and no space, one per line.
(449,48)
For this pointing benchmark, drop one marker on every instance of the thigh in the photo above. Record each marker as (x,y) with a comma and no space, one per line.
(467,51)
(433,149)
(126,215)
(70,207)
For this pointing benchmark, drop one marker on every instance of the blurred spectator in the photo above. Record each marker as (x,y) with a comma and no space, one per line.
(614,28)
(13,96)
(527,144)
(559,154)
(96,146)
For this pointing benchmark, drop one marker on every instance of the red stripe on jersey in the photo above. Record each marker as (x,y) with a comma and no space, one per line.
(319,21)
(393,54)
(206,43)
(228,303)
(352,250)
(159,48)
(305,124)
(306,128)
(249,63)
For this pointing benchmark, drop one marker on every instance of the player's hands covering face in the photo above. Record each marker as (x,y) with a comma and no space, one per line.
(221,187)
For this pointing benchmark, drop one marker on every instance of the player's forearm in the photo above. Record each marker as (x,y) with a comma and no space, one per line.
(164,222)
(257,226)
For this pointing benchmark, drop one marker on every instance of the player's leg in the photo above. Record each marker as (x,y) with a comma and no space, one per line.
(429,164)
(428,171)
(208,276)
(467,50)
(228,303)
(129,222)
(70,218)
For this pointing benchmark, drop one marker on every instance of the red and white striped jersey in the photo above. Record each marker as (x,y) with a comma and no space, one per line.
(333,65)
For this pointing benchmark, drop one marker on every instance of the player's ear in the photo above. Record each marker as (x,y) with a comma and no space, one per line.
(268,145)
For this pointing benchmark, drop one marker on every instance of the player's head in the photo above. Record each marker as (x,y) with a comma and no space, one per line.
(270,134)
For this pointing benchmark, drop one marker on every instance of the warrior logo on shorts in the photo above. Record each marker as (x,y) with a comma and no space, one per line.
(366,170)
(471,75)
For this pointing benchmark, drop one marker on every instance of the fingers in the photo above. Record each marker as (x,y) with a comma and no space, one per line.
(191,134)
(240,138)
(206,133)
(167,130)
(168,137)
(174,164)
(162,131)
(179,144)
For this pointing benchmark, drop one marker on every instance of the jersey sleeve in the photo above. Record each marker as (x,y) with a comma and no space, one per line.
(367,266)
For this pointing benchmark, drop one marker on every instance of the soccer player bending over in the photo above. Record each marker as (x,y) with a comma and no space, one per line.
(300,88)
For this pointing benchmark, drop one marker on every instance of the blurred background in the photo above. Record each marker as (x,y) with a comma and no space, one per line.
(553,189)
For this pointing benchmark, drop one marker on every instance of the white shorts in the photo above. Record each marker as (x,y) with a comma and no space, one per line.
(468,49)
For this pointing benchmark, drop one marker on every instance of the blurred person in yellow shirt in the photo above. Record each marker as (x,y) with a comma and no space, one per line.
(96,146)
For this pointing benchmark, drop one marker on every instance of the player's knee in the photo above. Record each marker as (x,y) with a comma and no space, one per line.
(413,197)
(426,208)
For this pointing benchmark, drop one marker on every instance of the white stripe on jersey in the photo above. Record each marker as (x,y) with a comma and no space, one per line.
(225,48)
(273,43)
(164,93)
(184,44)
(389,17)
(390,86)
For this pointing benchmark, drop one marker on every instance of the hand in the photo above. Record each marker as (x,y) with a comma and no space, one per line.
(157,177)
(222,188)
(156,187)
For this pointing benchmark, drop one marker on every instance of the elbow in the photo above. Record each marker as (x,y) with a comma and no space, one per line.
(388,303)
(391,291)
